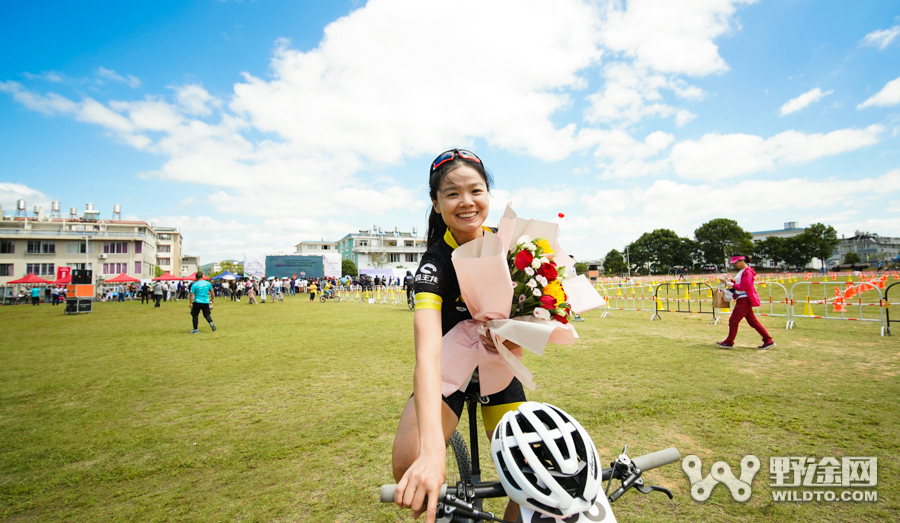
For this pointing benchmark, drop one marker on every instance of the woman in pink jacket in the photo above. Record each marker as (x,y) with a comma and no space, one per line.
(745,298)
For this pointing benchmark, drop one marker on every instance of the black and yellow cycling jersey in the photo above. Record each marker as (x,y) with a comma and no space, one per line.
(438,288)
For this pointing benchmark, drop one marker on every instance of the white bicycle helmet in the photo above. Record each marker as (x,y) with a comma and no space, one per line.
(546,460)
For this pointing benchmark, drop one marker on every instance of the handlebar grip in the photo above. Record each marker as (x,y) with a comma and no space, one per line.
(657,459)
(387,493)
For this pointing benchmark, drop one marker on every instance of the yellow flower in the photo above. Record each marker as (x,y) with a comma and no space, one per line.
(545,246)
(555,289)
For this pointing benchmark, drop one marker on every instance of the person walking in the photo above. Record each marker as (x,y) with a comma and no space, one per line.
(745,298)
(158,290)
(35,296)
(202,298)
(54,295)
(312,291)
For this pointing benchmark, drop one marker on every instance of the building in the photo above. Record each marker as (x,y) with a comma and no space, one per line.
(189,265)
(373,249)
(168,250)
(790,230)
(41,244)
(870,247)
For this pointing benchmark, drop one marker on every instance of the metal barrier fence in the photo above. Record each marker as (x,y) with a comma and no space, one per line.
(842,305)
(778,303)
(625,297)
(887,308)
(687,301)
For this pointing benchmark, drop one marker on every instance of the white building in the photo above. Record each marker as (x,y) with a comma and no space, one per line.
(373,249)
(870,247)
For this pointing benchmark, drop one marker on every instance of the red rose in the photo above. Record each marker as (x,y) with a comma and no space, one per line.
(560,318)
(524,259)
(548,302)
(547,271)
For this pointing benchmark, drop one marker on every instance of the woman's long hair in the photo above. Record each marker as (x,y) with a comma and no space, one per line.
(436,226)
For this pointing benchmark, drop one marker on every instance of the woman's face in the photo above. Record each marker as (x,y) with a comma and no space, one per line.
(463,203)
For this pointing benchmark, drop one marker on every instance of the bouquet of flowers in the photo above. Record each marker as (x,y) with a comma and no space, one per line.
(539,281)
(522,293)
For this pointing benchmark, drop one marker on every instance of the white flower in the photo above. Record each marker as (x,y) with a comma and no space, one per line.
(529,271)
(524,239)
(531,284)
(531,247)
(536,263)
(541,313)
(543,281)
(536,293)
(521,298)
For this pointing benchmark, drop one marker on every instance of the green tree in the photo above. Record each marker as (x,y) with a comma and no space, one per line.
(773,248)
(821,241)
(232,267)
(852,258)
(797,251)
(378,259)
(157,271)
(660,250)
(348,268)
(581,268)
(718,239)
(614,263)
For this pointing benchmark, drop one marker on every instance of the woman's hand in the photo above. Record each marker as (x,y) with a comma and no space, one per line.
(488,342)
(423,478)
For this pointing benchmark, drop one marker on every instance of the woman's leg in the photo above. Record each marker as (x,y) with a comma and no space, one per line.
(754,322)
(741,308)
(406,442)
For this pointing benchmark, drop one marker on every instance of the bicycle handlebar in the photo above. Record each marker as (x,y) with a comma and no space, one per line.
(387,493)
(645,463)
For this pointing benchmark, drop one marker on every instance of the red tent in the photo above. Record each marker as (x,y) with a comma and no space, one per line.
(167,277)
(193,276)
(30,278)
(122,278)
(64,281)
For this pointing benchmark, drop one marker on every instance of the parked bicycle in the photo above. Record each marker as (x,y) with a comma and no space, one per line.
(462,496)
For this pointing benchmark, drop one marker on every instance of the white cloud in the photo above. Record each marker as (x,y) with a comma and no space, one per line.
(622,156)
(109,74)
(795,104)
(889,95)
(882,38)
(723,156)
(11,193)
(671,37)
(49,76)
(194,100)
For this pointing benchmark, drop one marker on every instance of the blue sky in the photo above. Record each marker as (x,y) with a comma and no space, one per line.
(255,125)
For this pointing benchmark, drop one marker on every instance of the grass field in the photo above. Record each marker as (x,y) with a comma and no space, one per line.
(287,413)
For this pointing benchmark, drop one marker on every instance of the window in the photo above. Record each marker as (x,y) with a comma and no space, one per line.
(115,268)
(164,248)
(411,258)
(40,269)
(81,266)
(363,243)
(164,261)
(6,269)
(7,247)
(410,243)
(115,247)
(164,237)
(395,258)
(138,247)
(40,247)
(137,267)
(78,247)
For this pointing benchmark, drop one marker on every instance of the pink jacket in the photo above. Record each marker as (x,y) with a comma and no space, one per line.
(746,285)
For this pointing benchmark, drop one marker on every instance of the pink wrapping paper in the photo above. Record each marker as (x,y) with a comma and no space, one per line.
(486,288)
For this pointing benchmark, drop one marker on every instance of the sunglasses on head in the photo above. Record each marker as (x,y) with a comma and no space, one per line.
(451,154)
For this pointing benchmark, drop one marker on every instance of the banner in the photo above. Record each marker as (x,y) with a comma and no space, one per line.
(255,265)
(63,273)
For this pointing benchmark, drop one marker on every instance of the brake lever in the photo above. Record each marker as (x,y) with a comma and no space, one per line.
(646,489)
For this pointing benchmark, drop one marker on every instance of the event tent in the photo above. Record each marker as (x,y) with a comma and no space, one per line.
(29,278)
(122,278)
(67,279)
(227,275)
(193,276)
(167,277)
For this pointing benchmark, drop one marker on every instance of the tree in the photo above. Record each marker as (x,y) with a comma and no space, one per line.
(773,248)
(852,258)
(821,241)
(378,259)
(157,271)
(614,262)
(661,250)
(232,267)
(348,268)
(581,268)
(718,239)
(797,251)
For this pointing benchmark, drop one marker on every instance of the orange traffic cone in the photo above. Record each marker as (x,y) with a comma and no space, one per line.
(838,301)
(849,292)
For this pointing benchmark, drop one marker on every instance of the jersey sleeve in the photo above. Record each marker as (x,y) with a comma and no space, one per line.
(429,283)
